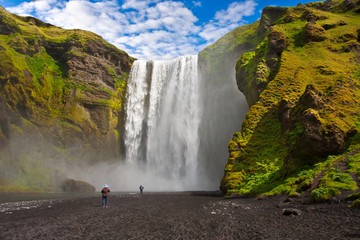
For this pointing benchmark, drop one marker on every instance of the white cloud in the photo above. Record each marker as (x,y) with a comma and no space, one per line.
(149,29)
(235,12)
(211,32)
(227,20)
(137,4)
(197,4)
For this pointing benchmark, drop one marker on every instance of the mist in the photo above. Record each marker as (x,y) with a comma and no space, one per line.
(180,116)
(127,177)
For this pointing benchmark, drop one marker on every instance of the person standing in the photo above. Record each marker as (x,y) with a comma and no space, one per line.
(141,189)
(105,195)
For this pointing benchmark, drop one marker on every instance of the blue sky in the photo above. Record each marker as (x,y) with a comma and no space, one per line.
(149,29)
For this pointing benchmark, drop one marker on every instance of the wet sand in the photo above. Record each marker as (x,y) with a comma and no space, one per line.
(177,216)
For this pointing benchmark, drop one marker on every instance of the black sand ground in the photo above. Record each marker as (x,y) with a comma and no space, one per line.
(176,216)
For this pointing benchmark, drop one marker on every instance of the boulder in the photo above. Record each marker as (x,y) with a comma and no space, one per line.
(314,33)
(311,98)
(290,211)
(77,186)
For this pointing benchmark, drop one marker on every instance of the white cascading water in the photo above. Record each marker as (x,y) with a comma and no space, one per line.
(163,117)
(137,91)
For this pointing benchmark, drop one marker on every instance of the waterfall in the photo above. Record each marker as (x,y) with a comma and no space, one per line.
(179,122)
(163,117)
(136,93)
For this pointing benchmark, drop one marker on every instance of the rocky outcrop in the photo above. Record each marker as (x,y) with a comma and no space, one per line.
(255,70)
(314,33)
(62,94)
(277,42)
(321,137)
(270,16)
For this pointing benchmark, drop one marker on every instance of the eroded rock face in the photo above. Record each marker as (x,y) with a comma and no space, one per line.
(91,70)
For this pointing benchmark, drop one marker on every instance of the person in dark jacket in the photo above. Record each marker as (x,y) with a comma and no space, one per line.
(105,195)
(141,189)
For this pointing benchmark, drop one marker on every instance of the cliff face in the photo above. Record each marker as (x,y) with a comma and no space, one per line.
(302,84)
(61,99)
(223,107)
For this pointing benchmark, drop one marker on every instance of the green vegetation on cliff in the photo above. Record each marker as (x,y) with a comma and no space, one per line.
(302,84)
(243,39)
(61,95)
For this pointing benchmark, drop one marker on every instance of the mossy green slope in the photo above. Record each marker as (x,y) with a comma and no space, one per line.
(303,85)
(61,99)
